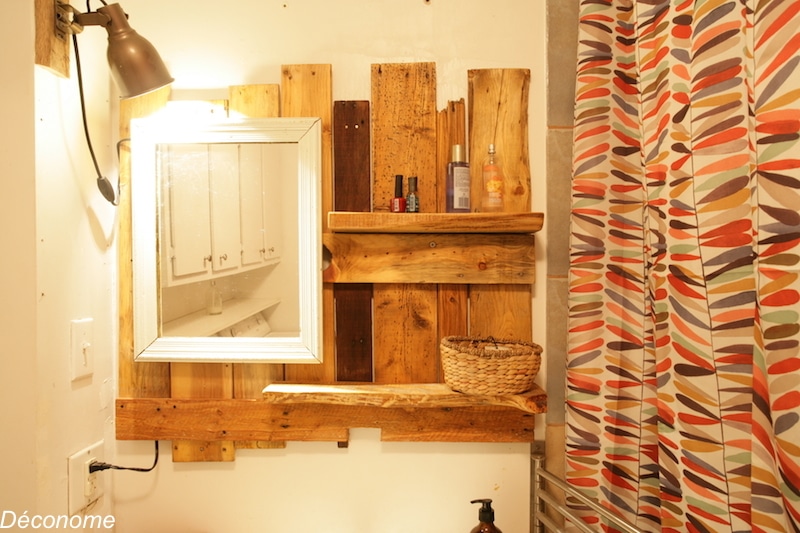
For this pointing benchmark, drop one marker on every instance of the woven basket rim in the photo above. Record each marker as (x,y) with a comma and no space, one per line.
(513,347)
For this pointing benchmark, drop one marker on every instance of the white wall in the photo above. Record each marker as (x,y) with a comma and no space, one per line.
(60,265)
(18,282)
(307,487)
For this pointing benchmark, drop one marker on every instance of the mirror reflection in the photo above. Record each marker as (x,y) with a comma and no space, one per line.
(227,243)
(224,209)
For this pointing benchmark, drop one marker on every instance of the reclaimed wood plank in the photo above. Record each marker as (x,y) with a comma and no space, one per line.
(417,395)
(435,222)
(404,130)
(307,91)
(258,420)
(404,123)
(135,379)
(256,101)
(406,345)
(50,51)
(199,380)
(351,177)
(202,380)
(429,258)
(498,114)
(452,299)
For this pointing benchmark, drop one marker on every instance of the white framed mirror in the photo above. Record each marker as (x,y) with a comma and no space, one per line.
(226,240)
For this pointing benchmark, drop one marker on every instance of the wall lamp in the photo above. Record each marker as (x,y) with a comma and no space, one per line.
(135,64)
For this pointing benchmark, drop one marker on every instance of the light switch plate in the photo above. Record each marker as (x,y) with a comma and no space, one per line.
(81,349)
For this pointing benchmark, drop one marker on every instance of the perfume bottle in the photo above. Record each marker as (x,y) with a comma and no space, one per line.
(493,183)
(458,187)
(412,198)
(214,300)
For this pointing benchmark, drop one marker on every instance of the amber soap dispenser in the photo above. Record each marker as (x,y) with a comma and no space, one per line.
(485,517)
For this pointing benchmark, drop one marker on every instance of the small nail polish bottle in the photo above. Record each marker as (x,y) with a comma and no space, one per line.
(398,203)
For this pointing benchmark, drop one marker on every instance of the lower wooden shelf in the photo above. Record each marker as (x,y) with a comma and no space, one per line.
(416,412)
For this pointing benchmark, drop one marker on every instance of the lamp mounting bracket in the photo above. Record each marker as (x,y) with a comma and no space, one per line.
(69,20)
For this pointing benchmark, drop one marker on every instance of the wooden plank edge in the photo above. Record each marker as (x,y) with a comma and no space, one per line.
(419,395)
(379,222)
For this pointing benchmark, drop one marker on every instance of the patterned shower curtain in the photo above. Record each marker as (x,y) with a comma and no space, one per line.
(683,378)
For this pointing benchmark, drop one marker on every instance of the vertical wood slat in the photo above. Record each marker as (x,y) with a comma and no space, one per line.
(197,380)
(249,380)
(404,122)
(453,300)
(201,380)
(351,178)
(136,380)
(49,50)
(404,131)
(306,91)
(498,113)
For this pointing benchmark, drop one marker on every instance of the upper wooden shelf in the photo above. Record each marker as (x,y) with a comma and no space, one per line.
(382,222)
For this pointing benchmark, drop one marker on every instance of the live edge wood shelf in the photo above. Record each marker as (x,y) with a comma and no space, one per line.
(411,412)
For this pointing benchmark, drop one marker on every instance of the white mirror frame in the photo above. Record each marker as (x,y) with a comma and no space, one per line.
(146,135)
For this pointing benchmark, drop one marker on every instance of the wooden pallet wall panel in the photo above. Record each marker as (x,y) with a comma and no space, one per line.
(498,114)
(351,178)
(404,124)
(307,91)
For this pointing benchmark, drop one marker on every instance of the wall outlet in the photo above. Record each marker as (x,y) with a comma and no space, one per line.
(81,351)
(84,488)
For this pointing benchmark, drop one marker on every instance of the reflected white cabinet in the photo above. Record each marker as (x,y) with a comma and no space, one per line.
(220,215)
(260,208)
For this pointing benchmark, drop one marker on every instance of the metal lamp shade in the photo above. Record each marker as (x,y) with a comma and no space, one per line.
(135,64)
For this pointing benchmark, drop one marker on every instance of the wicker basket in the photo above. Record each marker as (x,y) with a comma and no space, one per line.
(488,366)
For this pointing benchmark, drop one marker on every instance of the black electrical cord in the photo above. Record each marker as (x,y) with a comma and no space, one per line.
(98,466)
(106,189)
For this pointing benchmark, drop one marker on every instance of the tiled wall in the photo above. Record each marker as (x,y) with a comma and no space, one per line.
(562,39)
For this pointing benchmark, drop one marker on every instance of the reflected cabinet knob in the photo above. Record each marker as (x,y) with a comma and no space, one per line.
(207,259)
(223,257)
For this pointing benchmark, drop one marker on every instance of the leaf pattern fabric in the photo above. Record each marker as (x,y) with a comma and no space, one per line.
(683,371)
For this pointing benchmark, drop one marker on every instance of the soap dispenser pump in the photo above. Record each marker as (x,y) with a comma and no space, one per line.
(485,517)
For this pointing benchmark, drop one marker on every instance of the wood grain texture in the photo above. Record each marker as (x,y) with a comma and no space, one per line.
(254,420)
(306,91)
(256,101)
(199,380)
(406,343)
(423,395)
(404,122)
(452,299)
(404,130)
(136,380)
(49,50)
(429,258)
(498,114)
(352,185)
(435,222)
